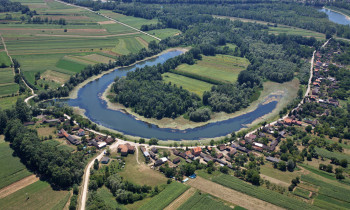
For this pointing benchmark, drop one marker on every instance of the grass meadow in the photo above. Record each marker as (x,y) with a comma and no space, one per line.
(193,85)
(203,202)
(165,197)
(221,68)
(12,169)
(41,196)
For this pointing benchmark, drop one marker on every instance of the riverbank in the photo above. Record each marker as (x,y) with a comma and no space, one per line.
(336,11)
(74,93)
(282,93)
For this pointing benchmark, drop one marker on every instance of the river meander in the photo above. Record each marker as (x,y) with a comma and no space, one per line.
(89,99)
(336,17)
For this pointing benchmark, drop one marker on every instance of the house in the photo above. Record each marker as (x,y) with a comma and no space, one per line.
(232,151)
(206,159)
(315,91)
(227,158)
(220,161)
(105,160)
(154,150)
(75,128)
(189,155)
(272,159)
(183,155)
(146,154)
(188,161)
(28,123)
(176,152)
(243,149)
(125,149)
(250,138)
(81,132)
(282,133)
(222,147)
(56,121)
(296,122)
(196,151)
(259,149)
(109,140)
(96,144)
(153,156)
(258,144)
(219,155)
(158,163)
(176,160)
(70,138)
(288,121)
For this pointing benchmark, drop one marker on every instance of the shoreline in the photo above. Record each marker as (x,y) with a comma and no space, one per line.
(346,16)
(182,124)
(74,92)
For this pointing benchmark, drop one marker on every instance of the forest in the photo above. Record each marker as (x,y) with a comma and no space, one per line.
(9,6)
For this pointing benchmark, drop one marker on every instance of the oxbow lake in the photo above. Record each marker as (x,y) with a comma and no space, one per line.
(97,111)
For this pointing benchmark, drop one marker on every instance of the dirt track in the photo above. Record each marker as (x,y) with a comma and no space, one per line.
(230,195)
(18,185)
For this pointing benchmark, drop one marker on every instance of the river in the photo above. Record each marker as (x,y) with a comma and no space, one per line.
(336,17)
(89,99)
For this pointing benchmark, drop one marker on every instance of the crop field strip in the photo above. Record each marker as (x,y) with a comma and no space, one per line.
(203,202)
(261,193)
(164,198)
(327,154)
(12,169)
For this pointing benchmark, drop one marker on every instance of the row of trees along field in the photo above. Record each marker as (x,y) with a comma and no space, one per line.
(59,167)
(9,6)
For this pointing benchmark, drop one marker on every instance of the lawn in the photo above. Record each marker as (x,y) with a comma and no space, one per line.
(202,202)
(41,196)
(164,198)
(108,198)
(129,45)
(141,174)
(284,176)
(130,20)
(261,193)
(12,169)
(164,33)
(218,69)
(4,60)
(193,85)
(295,31)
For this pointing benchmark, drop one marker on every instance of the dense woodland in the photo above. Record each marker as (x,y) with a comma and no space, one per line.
(9,6)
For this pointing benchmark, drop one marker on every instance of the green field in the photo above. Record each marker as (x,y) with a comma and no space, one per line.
(4,60)
(295,31)
(41,196)
(164,198)
(301,193)
(219,68)
(330,189)
(196,86)
(261,193)
(12,169)
(203,202)
(70,65)
(164,33)
(8,102)
(6,75)
(129,45)
(327,154)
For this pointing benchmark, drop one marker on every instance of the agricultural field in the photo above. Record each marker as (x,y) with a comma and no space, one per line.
(12,169)
(164,198)
(38,195)
(4,60)
(261,193)
(8,102)
(285,176)
(86,39)
(327,154)
(215,69)
(140,173)
(301,193)
(196,86)
(7,84)
(202,202)
(330,193)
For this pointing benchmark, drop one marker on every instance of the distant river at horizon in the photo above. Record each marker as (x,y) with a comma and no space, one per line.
(89,99)
(336,17)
